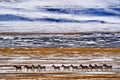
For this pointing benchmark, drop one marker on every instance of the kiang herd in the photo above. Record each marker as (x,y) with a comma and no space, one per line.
(63,67)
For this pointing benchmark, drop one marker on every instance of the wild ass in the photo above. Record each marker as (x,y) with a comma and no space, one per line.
(83,67)
(18,68)
(98,67)
(56,67)
(105,66)
(35,68)
(92,67)
(65,67)
(74,67)
(29,67)
(41,67)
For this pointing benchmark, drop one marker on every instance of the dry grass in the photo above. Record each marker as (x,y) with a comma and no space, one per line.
(46,51)
(57,50)
(54,76)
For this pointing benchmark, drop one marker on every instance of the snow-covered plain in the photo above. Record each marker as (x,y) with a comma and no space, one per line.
(59,15)
(62,41)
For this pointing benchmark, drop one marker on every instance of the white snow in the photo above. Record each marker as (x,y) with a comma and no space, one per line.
(102,59)
(100,72)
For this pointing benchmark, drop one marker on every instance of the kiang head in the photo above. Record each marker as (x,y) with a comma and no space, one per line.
(81,65)
(14,66)
(53,65)
(25,66)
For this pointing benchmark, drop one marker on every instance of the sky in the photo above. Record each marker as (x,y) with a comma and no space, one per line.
(59,16)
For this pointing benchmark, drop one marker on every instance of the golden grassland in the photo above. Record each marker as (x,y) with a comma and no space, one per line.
(58,50)
(52,76)
(25,51)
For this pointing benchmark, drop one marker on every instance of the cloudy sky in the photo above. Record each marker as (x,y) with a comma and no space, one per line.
(59,15)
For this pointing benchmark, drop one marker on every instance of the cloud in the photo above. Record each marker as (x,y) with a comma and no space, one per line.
(102,12)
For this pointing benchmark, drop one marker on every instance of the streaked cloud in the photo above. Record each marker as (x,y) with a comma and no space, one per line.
(101,12)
